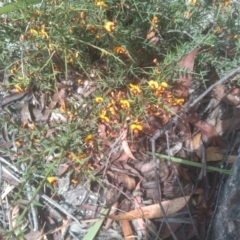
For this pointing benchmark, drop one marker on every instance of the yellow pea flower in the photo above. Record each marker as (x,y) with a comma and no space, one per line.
(155,20)
(153,84)
(187,14)
(44,34)
(63,107)
(109,26)
(101,4)
(193,1)
(33,32)
(99,99)
(74,181)
(52,179)
(137,126)
(227,3)
(135,89)
(125,104)
(164,84)
(104,118)
(51,46)
(178,101)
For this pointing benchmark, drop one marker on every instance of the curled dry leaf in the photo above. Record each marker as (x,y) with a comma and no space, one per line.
(103,135)
(57,97)
(125,145)
(127,181)
(25,113)
(184,81)
(208,130)
(153,211)
(232,98)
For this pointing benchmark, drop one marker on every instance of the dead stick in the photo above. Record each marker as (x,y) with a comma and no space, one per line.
(201,96)
(158,192)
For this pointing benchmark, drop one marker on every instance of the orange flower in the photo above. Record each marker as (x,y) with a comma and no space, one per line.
(82,156)
(92,28)
(71,115)
(63,106)
(89,138)
(120,50)
(37,12)
(75,181)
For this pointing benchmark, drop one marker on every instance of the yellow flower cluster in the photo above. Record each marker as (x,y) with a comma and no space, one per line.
(120,100)
(134,88)
(162,90)
(34,33)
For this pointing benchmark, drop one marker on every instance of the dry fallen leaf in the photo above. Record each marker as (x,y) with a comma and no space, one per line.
(184,81)
(57,97)
(232,98)
(127,181)
(208,130)
(153,211)
(125,145)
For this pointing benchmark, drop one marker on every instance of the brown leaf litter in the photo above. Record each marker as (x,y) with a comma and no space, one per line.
(123,172)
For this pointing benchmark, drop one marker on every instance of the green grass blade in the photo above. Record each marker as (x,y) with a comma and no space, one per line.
(194,164)
(96,227)
(14,6)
